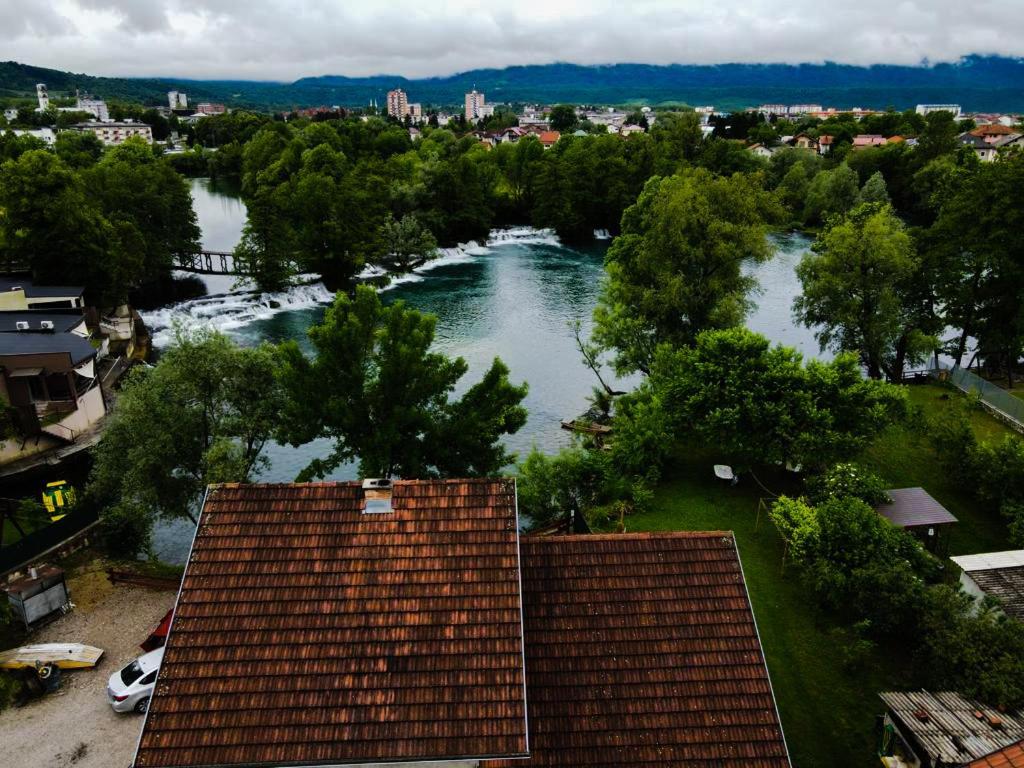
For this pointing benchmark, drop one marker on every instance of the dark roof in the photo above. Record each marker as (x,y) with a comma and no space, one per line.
(309,632)
(62,321)
(33,291)
(34,343)
(952,728)
(1000,575)
(641,649)
(913,507)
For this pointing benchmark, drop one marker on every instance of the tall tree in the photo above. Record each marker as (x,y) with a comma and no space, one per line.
(375,389)
(202,415)
(863,292)
(831,193)
(677,267)
(562,117)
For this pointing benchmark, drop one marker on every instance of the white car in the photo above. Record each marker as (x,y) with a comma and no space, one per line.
(130,688)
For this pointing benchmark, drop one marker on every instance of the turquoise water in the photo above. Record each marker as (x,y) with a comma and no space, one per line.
(514,298)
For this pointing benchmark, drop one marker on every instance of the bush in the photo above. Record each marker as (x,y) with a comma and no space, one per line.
(125,533)
(847,480)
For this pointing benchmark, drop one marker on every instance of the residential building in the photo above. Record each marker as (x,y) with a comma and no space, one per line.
(987,142)
(549,138)
(999,575)
(96,107)
(20,293)
(920,514)
(867,140)
(43,97)
(760,150)
(177,100)
(409,622)
(927,109)
(11,113)
(112,134)
(207,108)
(629,130)
(992,133)
(944,730)
(773,109)
(806,142)
(397,104)
(825,143)
(415,112)
(475,103)
(46,135)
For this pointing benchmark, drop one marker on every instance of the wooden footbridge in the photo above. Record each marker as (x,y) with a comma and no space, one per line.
(207,263)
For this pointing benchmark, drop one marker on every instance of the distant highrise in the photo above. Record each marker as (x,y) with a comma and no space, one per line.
(475,105)
(43,96)
(177,100)
(398,103)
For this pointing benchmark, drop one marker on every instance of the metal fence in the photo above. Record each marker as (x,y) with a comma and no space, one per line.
(998,399)
(26,549)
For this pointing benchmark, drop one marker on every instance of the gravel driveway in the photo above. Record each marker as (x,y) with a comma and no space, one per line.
(76,726)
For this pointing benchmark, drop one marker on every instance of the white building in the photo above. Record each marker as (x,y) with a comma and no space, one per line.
(46,135)
(112,134)
(43,97)
(95,107)
(177,100)
(475,105)
(11,113)
(927,109)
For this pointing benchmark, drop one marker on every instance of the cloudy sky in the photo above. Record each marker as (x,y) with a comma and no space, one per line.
(287,39)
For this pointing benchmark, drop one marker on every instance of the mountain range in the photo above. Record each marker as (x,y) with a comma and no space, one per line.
(978,83)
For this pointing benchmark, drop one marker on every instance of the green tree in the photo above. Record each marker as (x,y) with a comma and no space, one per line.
(830,193)
(375,388)
(677,138)
(760,405)
(862,292)
(202,415)
(406,239)
(677,267)
(875,190)
(78,150)
(562,118)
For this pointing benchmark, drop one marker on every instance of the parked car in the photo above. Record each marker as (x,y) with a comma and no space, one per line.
(129,689)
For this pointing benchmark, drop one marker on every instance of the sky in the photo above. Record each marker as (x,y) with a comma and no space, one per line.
(288,39)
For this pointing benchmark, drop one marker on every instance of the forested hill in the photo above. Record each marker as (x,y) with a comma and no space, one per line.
(985,83)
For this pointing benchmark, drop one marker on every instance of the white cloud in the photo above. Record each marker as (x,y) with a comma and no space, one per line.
(286,39)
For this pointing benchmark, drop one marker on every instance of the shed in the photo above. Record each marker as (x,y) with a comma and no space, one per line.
(915,510)
(996,574)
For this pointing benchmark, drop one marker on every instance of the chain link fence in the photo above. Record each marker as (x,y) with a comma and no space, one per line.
(998,399)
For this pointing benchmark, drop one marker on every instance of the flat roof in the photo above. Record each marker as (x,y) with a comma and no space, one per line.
(953,728)
(36,343)
(641,649)
(62,321)
(913,507)
(308,632)
(33,291)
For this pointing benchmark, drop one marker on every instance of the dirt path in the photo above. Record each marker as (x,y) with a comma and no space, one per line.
(76,726)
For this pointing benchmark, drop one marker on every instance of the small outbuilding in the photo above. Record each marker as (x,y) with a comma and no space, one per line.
(917,511)
(999,575)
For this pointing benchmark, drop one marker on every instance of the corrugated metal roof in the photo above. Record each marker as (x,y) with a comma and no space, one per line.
(952,728)
(641,649)
(986,560)
(307,632)
(912,507)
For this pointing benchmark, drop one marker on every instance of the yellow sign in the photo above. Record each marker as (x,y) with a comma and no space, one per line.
(58,498)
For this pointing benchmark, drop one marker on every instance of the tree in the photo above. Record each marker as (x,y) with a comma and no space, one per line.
(761,405)
(875,190)
(862,292)
(407,239)
(77,149)
(830,193)
(375,388)
(202,415)
(677,138)
(562,118)
(677,267)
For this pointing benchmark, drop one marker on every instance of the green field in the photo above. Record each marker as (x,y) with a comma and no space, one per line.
(827,709)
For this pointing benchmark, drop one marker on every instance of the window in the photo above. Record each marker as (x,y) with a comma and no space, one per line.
(149,679)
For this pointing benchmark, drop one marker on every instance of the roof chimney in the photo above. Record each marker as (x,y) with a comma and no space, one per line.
(377,493)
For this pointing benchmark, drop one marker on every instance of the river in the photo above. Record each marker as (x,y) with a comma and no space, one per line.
(513,297)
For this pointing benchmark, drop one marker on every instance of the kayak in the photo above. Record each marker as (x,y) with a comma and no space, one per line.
(63,655)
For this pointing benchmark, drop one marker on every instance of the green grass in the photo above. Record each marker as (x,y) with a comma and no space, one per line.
(828,710)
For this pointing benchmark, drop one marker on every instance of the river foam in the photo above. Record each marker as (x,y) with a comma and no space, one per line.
(239,305)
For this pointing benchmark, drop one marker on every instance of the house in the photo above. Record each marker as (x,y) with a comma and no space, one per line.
(48,378)
(999,575)
(113,133)
(549,138)
(415,134)
(408,622)
(760,150)
(512,135)
(944,730)
(867,140)
(992,133)
(18,293)
(985,150)
(825,143)
(45,135)
(806,142)
(629,129)
(917,512)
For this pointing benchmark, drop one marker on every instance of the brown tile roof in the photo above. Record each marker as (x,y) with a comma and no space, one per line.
(641,649)
(996,129)
(1009,757)
(549,137)
(307,632)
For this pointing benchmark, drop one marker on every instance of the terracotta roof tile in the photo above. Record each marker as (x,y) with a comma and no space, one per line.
(307,632)
(641,649)
(1009,757)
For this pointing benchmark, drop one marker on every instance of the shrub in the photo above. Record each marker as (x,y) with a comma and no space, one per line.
(847,480)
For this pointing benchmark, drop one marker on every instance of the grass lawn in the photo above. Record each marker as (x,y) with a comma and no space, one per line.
(828,710)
